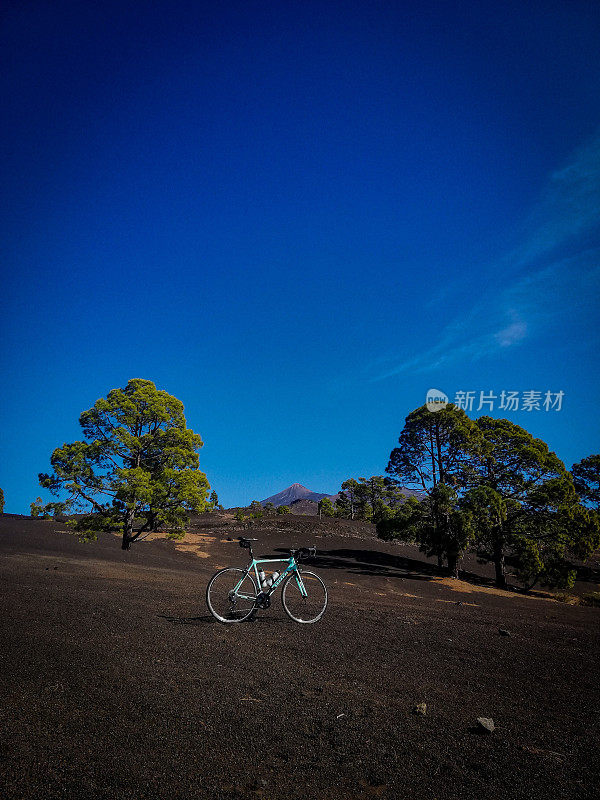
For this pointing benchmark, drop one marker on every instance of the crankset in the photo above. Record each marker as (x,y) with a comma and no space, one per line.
(263,600)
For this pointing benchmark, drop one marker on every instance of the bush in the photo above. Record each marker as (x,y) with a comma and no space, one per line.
(567,597)
(591,599)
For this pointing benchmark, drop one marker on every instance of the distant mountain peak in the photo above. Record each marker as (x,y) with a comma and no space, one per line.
(294,492)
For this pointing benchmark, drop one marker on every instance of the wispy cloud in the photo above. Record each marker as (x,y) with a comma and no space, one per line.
(512,334)
(569,206)
(543,285)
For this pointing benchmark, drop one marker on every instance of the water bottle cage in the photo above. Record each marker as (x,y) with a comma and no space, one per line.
(268,582)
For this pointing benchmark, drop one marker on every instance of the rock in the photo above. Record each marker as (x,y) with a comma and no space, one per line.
(485,725)
(503,632)
(420,709)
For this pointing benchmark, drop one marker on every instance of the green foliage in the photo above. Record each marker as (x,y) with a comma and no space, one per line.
(47,510)
(348,497)
(256,510)
(246,520)
(325,508)
(1,502)
(553,531)
(370,494)
(37,507)
(586,477)
(342,506)
(371,498)
(434,448)
(86,536)
(283,509)
(491,485)
(269,508)
(380,511)
(591,599)
(525,506)
(213,502)
(566,597)
(436,524)
(434,454)
(138,464)
(450,530)
(406,523)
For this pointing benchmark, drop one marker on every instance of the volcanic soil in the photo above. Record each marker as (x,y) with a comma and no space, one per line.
(117,683)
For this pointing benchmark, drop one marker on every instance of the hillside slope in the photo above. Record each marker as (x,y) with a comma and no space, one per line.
(117,683)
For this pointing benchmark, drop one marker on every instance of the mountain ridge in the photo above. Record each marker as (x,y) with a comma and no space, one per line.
(294,492)
(297,492)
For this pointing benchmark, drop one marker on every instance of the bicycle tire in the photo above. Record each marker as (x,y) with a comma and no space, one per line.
(219,600)
(294,601)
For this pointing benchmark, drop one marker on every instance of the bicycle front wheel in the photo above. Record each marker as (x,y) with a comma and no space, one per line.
(231,595)
(304,597)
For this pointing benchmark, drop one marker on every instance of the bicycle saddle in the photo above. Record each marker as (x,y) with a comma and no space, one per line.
(245,542)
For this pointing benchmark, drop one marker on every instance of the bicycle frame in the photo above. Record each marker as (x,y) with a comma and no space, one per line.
(292,567)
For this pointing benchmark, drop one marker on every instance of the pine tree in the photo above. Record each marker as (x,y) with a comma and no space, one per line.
(136,469)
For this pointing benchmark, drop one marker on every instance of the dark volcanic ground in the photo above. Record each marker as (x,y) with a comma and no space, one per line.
(116,683)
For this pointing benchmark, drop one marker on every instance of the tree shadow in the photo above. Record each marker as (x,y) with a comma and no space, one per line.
(588,574)
(261,617)
(203,620)
(386,565)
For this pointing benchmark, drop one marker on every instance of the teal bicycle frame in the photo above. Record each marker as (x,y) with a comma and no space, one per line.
(292,567)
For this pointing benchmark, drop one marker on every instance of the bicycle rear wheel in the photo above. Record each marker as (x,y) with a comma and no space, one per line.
(231,595)
(300,608)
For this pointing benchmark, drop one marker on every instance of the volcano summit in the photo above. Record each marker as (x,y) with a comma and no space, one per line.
(294,492)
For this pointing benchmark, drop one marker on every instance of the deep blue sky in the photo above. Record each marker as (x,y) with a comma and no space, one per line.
(296,217)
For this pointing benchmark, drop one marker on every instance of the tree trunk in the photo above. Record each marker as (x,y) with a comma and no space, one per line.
(499,563)
(441,471)
(128,530)
(453,565)
(440,561)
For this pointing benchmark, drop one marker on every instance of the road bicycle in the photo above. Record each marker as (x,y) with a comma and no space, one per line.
(234,594)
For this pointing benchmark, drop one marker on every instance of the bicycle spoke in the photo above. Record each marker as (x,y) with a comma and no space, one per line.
(299,607)
(231,595)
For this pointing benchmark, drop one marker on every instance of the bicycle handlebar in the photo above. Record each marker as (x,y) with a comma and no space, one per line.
(303,553)
(300,554)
